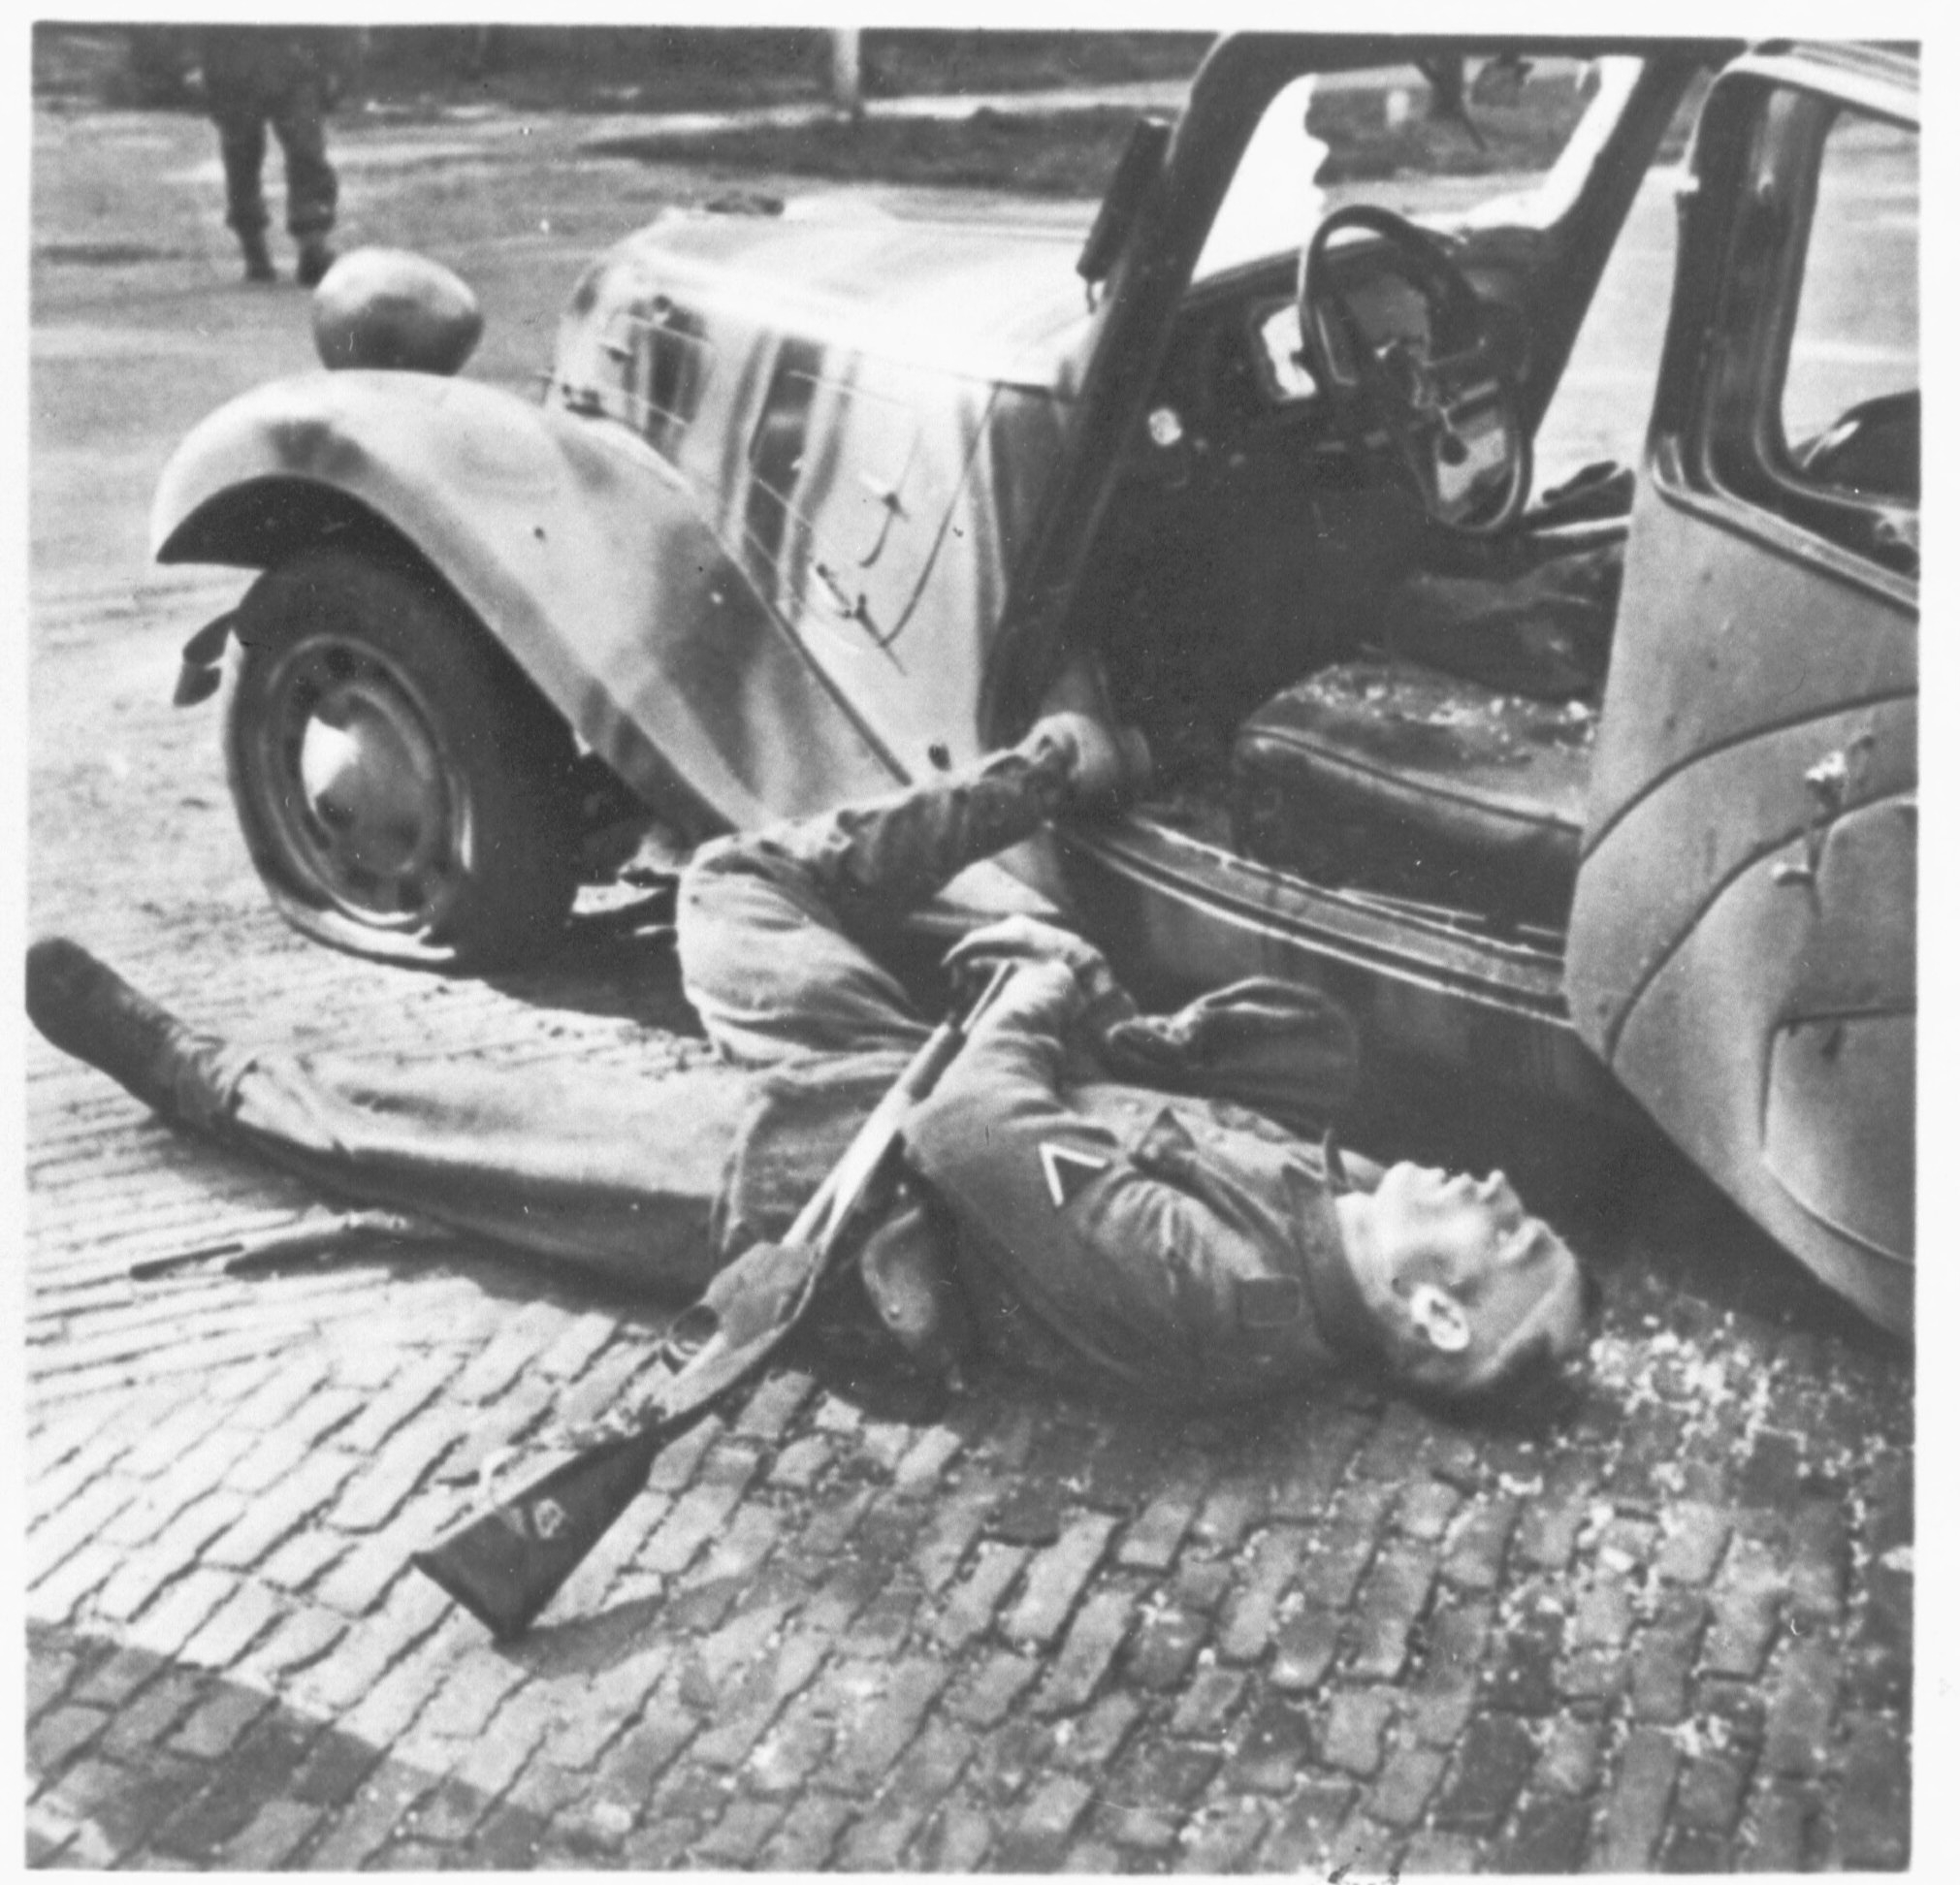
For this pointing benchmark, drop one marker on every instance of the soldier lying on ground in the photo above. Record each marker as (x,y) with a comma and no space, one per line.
(1090,1191)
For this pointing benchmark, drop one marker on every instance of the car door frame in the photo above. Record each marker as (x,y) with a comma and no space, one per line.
(1139,300)
(1757,753)
(1177,913)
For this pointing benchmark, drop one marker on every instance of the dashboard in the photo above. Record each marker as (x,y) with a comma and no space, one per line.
(1278,328)
(1235,370)
(1234,363)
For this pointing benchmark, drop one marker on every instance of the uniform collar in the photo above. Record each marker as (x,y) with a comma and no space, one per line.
(1340,1307)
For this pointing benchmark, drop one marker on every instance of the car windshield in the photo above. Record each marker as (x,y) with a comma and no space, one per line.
(1480,141)
(1438,138)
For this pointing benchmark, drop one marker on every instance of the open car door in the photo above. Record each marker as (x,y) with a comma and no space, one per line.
(1741,950)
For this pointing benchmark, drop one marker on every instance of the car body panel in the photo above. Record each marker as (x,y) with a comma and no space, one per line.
(1716,800)
(989,302)
(1177,914)
(578,542)
(1802,1110)
(1728,612)
(869,412)
(1742,949)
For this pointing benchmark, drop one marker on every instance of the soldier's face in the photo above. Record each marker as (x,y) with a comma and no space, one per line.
(1454,1219)
(1451,1260)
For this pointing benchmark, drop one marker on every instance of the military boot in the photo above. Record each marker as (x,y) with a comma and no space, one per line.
(258,259)
(86,1010)
(316,256)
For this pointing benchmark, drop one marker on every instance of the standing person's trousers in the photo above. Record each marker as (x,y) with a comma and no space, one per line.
(255,76)
(773,929)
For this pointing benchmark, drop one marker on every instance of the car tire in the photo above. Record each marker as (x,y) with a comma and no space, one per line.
(405,791)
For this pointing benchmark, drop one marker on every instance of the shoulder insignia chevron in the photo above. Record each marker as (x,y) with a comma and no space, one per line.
(1068,1171)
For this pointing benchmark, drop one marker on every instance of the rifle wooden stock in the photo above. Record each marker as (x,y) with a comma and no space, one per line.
(505,1565)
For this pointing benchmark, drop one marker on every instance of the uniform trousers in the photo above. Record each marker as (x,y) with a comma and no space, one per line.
(259,76)
(775,932)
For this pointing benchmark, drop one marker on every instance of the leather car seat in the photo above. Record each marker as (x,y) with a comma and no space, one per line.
(1418,784)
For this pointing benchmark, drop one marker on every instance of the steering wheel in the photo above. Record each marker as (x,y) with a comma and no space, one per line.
(1443,398)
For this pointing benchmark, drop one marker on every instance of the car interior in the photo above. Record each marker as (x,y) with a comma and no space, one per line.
(1336,681)
(1365,648)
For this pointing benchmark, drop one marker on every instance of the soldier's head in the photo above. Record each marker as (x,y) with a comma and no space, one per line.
(1466,1289)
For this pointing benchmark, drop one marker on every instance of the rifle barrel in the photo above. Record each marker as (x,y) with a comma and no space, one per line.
(307,1236)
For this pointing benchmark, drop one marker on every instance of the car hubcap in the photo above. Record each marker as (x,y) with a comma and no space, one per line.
(361,797)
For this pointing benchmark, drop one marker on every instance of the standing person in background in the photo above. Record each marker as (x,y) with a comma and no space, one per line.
(287,77)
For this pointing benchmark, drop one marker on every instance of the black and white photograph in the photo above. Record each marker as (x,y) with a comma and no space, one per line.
(971,948)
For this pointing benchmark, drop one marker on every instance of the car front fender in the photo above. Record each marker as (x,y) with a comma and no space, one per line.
(577,546)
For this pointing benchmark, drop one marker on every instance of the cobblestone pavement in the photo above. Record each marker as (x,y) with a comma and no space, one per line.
(1669,1627)
(1667,1624)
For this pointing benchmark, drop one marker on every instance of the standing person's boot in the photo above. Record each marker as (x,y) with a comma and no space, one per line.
(258,258)
(316,256)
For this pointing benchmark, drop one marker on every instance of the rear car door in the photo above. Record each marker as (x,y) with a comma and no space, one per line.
(1742,949)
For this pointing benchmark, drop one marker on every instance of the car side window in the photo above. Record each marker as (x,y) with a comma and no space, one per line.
(1854,346)
(1816,412)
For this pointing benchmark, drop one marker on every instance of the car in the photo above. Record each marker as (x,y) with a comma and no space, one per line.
(1598,787)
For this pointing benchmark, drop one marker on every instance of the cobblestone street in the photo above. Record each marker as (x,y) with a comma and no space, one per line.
(1666,1624)
(1013,1632)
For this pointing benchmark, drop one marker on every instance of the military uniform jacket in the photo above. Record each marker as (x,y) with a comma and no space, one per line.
(1163,1241)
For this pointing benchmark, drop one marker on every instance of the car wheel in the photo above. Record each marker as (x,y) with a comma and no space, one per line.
(405,791)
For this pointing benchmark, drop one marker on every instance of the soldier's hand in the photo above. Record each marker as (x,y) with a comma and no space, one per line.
(1021,938)
(1027,938)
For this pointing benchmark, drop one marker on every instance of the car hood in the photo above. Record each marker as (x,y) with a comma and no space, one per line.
(980,302)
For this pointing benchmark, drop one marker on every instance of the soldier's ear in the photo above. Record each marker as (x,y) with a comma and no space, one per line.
(1438,1318)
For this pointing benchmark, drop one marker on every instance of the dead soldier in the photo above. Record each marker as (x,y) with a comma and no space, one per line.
(1088,1190)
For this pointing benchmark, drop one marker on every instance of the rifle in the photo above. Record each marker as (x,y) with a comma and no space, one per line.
(317,1234)
(504,1565)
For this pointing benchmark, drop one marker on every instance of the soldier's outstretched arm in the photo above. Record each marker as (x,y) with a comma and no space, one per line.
(774,927)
